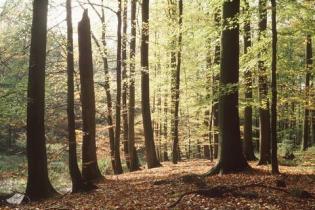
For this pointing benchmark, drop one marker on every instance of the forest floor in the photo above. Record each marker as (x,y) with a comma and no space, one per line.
(158,188)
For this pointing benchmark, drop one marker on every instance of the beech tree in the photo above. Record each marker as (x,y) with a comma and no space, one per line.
(264,110)
(308,66)
(38,184)
(248,112)
(216,78)
(231,158)
(76,178)
(90,170)
(176,94)
(274,158)
(151,157)
(133,163)
(125,82)
(118,167)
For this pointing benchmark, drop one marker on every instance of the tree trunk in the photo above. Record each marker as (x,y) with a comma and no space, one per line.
(125,83)
(76,178)
(90,170)
(248,144)
(309,63)
(118,167)
(176,150)
(131,108)
(152,160)
(274,158)
(206,152)
(231,158)
(109,103)
(38,184)
(216,77)
(264,114)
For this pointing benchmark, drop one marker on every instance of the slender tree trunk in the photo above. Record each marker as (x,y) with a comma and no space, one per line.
(118,167)
(90,170)
(152,160)
(131,108)
(216,77)
(309,63)
(274,158)
(38,184)
(109,103)
(125,83)
(313,127)
(231,158)
(176,151)
(248,144)
(264,112)
(76,178)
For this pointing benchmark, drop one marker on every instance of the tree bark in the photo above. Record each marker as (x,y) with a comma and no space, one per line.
(152,160)
(176,150)
(109,103)
(125,83)
(76,178)
(274,158)
(38,184)
(231,158)
(134,164)
(216,78)
(248,136)
(90,170)
(264,111)
(118,167)
(308,64)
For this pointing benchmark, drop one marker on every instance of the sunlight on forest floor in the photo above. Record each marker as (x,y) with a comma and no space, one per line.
(137,190)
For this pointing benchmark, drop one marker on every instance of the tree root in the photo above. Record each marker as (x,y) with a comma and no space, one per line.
(220,190)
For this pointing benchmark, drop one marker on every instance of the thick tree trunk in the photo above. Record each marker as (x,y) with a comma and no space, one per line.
(152,160)
(176,150)
(118,167)
(308,64)
(125,84)
(231,158)
(38,184)
(264,113)
(90,170)
(248,144)
(133,159)
(274,158)
(76,178)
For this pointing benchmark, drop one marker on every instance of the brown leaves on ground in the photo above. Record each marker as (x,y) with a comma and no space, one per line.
(145,190)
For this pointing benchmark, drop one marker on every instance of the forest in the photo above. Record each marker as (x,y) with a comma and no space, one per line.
(157,104)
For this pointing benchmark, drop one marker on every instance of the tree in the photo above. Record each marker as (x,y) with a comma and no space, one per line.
(274,159)
(125,83)
(76,178)
(152,159)
(308,66)
(231,158)
(38,184)
(264,113)
(111,132)
(90,170)
(131,107)
(176,150)
(248,134)
(216,78)
(118,167)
